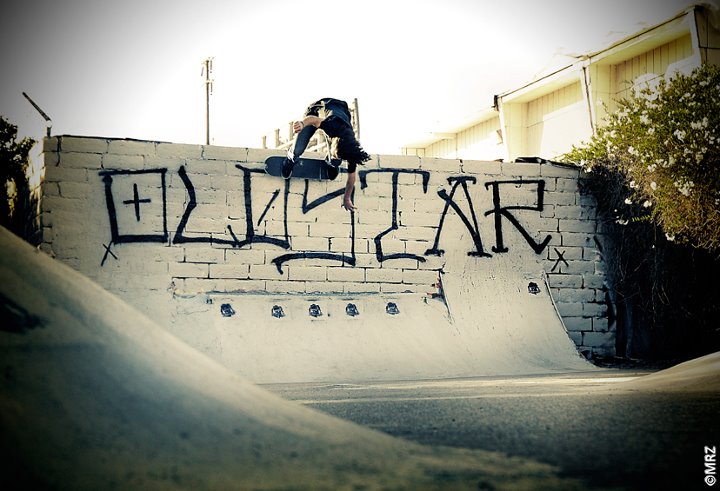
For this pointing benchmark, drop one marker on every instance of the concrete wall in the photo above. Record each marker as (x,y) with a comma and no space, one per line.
(154,221)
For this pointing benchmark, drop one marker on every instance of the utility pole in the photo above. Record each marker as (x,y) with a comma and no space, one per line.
(207,69)
(356,114)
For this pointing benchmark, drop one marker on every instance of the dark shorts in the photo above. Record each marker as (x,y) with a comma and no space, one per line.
(344,144)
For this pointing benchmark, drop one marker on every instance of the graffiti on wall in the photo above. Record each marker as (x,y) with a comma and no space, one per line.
(395,178)
(137,211)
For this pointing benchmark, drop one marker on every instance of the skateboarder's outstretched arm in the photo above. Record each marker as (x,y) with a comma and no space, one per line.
(349,186)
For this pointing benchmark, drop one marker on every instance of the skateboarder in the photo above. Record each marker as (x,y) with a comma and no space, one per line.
(333,117)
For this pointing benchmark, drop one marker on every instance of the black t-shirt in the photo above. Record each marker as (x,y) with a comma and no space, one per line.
(329,107)
(336,124)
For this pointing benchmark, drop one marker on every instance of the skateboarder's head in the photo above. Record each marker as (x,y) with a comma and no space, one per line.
(346,147)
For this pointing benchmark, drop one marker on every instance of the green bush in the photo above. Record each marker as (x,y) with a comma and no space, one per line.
(653,168)
(665,141)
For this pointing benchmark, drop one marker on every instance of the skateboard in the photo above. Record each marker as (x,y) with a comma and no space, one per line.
(305,168)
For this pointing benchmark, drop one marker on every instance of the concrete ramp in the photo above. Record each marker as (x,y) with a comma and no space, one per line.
(511,322)
(404,336)
(482,325)
(178,231)
(94,395)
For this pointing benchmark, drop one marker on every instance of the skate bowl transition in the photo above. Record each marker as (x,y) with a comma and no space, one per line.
(448,268)
(94,395)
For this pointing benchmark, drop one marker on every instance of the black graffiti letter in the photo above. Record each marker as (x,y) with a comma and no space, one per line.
(192,203)
(394,216)
(307,207)
(117,236)
(502,211)
(250,237)
(472,227)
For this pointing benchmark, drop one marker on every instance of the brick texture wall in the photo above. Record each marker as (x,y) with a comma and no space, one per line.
(152,220)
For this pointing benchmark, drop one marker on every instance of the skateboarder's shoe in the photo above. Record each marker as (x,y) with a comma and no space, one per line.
(287,167)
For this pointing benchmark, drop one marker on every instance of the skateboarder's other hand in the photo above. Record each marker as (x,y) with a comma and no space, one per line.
(298,126)
(348,204)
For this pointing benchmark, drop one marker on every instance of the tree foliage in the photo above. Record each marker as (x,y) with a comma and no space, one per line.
(665,141)
(654,169)
(18,203)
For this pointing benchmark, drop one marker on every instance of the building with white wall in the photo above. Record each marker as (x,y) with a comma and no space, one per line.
(545,117)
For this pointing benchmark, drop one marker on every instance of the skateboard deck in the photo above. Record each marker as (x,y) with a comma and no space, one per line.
(305,168)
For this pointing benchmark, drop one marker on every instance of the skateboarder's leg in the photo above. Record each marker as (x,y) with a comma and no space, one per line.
(302,140)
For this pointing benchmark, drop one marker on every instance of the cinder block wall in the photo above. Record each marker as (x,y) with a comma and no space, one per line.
(151,221)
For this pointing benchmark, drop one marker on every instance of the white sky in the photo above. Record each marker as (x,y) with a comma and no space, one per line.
(132,68)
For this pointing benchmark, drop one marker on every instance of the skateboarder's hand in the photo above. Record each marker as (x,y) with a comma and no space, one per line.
(348,204)
(298,126)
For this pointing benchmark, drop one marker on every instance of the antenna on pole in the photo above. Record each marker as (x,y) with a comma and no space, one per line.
(48,121)
(206,70)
